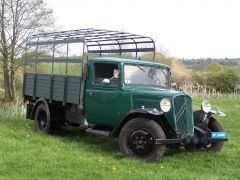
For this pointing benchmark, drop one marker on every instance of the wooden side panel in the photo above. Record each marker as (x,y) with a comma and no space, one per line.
(43,84)
(28,84)
(60,88)
(73,89)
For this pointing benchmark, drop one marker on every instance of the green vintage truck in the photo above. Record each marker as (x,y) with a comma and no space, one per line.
(127,98)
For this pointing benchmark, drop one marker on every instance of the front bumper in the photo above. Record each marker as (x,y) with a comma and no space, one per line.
(168,141)
(189,140)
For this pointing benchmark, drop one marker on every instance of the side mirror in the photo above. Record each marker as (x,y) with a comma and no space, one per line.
(106,81)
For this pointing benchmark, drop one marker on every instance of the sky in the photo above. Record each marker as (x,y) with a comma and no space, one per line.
(180,28)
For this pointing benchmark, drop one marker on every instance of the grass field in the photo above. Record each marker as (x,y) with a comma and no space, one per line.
(74,154)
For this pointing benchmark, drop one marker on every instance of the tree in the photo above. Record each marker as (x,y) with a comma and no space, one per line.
(19,19)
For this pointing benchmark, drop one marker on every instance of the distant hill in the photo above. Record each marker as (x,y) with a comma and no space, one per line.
(200,64)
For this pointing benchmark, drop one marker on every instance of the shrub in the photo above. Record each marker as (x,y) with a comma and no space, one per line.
(225,80)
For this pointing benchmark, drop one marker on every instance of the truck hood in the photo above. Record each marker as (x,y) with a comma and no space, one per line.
(153,91)
(150,97)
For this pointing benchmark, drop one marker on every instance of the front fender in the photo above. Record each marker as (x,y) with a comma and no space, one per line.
(202,119)
(135,113)
(152,111)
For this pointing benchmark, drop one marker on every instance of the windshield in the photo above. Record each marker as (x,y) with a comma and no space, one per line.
(145,75)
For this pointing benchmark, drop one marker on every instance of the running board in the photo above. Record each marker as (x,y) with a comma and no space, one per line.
(99,132)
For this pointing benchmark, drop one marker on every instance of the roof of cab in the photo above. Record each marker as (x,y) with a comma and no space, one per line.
(127,61)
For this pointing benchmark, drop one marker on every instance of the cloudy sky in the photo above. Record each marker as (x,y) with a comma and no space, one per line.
(181,28)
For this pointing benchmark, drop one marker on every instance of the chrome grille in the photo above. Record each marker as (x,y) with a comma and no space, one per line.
(183,114)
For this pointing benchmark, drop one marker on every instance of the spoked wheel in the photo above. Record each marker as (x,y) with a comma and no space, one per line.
(137,140)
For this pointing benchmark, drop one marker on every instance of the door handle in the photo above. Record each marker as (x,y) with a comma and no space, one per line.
(90,93)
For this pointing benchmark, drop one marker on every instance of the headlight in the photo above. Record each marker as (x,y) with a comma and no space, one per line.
(165,105)
(206,106)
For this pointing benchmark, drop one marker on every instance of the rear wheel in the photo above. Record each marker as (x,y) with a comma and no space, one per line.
(46,125)
(137,140)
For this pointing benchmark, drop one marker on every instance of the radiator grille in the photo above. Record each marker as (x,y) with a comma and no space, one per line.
(183,114)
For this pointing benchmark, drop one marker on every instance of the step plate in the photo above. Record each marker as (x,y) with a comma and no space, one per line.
(98,132)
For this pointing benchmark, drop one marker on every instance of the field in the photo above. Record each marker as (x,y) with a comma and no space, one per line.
(74,154)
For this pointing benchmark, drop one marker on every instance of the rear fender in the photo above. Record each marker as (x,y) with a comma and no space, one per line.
(36,104)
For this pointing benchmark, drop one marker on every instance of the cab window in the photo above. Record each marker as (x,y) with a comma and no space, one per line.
(105,71)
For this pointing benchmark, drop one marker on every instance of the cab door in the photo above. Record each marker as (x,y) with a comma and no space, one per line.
(105,103)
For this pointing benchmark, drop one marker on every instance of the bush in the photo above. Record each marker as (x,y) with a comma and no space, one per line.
(200,78)
(225,80)
(218,77)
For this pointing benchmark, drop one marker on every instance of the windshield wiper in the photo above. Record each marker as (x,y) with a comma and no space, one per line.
(140,68)
(162,70)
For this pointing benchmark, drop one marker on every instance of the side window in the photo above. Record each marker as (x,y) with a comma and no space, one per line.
(106,71)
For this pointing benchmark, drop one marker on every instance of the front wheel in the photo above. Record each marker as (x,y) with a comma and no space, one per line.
(137,140)
(214,147)
(215,126)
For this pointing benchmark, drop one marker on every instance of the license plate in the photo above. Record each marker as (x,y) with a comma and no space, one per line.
(218,135)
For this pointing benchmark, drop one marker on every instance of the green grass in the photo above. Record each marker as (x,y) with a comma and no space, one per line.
(76,155)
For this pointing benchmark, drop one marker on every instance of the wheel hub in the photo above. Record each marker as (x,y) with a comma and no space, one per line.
(42,121)
(141,142)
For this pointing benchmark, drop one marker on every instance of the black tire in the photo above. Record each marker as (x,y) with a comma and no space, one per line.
(46,125)
(215,126)
(137,140)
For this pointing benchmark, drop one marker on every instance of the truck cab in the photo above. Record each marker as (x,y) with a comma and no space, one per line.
(116,87)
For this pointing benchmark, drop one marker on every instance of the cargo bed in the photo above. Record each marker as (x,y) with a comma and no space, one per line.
(62,88)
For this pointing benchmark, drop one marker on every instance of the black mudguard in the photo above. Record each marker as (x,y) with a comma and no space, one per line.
(200,126)
(39,101)
(145,111)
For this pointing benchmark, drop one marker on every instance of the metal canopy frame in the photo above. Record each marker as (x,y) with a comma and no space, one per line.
(96,41)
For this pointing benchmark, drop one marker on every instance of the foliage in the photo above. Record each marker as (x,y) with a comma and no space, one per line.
(217,76)
(214,67)
(199,78)
(77,155)
(225,80)
(9,111)
(19,19)
(180,74)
